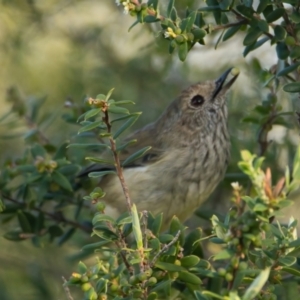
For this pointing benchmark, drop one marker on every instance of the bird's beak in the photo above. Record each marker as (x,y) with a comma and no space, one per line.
(221,80)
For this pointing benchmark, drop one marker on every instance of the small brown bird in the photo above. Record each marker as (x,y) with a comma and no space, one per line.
(189,155)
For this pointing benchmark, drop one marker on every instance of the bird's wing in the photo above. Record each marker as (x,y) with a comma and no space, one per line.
(145,137)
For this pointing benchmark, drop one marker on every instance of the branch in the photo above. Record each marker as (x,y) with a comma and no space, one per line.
(66,288)
(118,163)
(164,249)
(58,216)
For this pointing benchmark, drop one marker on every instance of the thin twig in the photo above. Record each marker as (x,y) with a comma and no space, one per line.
(241,22)
(145,219)
(165,248)
(66,288)
(118,163)
(58,216)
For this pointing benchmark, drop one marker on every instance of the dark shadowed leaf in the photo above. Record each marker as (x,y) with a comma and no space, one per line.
(66,236)
(293,87)
(135,156)
(100,174)
(133,118)
(189,278)
(91,113)
(61,180)
(92,125)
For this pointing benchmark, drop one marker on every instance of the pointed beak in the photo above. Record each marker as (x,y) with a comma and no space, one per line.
(221,80)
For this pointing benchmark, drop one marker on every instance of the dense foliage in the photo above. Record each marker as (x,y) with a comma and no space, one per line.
(42,200)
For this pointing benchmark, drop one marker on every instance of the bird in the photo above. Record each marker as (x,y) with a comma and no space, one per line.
(189,155)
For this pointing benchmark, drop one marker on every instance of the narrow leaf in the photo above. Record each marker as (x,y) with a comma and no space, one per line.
(91,126)
(135,156)
(91,113)
(61,180)
(126,125)
(100,174)
(257,285)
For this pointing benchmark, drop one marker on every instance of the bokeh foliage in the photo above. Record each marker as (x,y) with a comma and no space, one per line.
(55,54)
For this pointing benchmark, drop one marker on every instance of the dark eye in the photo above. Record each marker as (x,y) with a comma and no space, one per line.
(197,101)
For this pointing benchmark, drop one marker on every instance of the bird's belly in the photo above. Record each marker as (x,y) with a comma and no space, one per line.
(170,191)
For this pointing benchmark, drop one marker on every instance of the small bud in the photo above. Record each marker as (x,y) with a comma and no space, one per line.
(235,72)
(228,277)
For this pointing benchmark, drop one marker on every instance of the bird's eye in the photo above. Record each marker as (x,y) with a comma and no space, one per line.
(197,101)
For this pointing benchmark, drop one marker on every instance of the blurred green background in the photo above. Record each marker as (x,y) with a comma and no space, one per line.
(64,50)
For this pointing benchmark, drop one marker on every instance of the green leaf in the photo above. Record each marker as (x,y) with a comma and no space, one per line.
(295,52)
(288,69)
(257,285)
(170,8)
(123,102)
(91,113)
(168,267)
(156,225)
(189,261)
(260,207)
(225,4)
(293,87)
(101,173)
(133,24)
(199,33)
(200,296)
(95,146)
(255,45)
(287,260)
(126,220)
(67,235)
(117,110)
(176,226)
(91,126)
(190,21)
(295,16)
(219,39)
(14,235)
(82,268)
(125,117)
(105,233)
(98,218)
(295,243)
(136,227)
(224,254)
(263,25)
(135,156)
(101,97)
(109,94)
(183,50)
(24,222)
(100,160)
(124,146)
(163,285)
(292,271)
(230,32)
(252,36)
(153,3)
(262,5)
(189,278)
(275,15)
(55,231)
(94,246)
(199,22)
(246,11)
(38,150)
(280,32)
(61,180)
(133,118)
(69,170)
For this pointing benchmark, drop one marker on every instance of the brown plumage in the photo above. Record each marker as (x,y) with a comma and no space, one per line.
(189,155)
